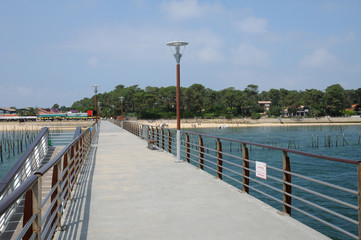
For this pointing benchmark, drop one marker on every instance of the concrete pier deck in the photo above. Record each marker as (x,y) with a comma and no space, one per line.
(127,191)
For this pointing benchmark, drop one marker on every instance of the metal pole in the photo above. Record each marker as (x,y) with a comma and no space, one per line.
(178,116)
(96,109)
(121,107)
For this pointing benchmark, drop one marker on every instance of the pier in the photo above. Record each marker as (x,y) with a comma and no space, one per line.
(127,191)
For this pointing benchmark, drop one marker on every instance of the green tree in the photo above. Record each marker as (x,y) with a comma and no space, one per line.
(334,100)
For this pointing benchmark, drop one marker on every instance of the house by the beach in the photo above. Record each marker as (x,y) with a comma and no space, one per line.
(265,105)
(7,111)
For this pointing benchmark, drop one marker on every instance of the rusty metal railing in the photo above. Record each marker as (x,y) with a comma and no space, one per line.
(43,208)
(286,185)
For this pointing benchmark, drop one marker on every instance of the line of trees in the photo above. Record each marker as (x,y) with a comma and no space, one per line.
(199,101)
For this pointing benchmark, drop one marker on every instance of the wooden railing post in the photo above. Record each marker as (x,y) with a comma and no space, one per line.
(56,180)
(219,159)
(359,198)
(32,207)
(188,149)
(245,187)
(162,132)
(287,189)
(169,142)
(158,136)
(201,152)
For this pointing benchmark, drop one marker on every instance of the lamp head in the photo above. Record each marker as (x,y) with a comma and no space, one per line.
(176,47)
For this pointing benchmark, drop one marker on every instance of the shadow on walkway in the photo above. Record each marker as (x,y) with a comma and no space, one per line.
(75,220)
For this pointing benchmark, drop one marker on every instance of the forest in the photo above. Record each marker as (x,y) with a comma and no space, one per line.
(202,102)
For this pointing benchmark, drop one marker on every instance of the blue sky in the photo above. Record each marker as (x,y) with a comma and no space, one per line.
(53,51)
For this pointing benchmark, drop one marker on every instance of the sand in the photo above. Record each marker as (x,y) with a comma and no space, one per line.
(263,122)
(193,123)
(66,125)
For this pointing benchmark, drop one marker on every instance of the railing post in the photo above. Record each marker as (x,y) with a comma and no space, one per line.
(157,136)
(28,211)
(287,189)
(219,159)
(201,152)
(32,206)
(57,193)
(162,138)
(245,187)
(359,198)
(169,142)
(188,148)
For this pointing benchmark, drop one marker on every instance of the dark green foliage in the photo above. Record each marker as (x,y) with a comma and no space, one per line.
(201,102)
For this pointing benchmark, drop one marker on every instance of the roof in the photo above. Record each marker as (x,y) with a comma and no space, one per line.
(8,109)
(264,102)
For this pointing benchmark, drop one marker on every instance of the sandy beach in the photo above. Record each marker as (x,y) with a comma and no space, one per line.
(67,125)
(263,122)
(192,123)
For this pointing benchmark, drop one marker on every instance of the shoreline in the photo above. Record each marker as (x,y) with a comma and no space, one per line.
(69,125)
(267,122)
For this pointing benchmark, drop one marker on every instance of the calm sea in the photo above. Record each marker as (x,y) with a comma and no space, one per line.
(336,141)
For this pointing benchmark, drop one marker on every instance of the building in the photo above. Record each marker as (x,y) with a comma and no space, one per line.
(7,111)
(265,105)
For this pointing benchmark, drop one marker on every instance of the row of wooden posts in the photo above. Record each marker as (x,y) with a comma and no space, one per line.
(13,142)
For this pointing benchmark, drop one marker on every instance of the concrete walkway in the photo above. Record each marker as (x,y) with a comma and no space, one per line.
(127,191)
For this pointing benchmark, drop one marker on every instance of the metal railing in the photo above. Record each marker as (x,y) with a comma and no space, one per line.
(43,208)
(27,164)
(291,183)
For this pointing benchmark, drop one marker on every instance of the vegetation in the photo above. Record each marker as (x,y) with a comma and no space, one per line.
(198,101)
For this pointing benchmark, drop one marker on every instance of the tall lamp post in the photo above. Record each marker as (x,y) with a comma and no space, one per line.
(96,107)
(175,48)
(99,115)
(121,109)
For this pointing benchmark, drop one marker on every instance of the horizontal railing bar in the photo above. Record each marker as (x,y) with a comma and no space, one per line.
(49,194)
(323,183)
(322,221)
(265,194)
(278,148)
(323,196)
(51,219)
(49,209)
(233,179)
(26,227)
(323,208)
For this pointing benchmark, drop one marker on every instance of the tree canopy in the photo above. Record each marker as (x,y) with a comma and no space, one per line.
(199,101)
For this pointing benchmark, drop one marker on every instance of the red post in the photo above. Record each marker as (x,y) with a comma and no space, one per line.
(178,96)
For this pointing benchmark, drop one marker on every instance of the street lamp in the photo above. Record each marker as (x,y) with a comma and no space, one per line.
(96,92)
(175,47)
(121,109)
(99,110)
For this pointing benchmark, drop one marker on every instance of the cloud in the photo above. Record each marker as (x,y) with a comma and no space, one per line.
(253,25)
(320,58)
(248,55)
(93,62)
(188,9)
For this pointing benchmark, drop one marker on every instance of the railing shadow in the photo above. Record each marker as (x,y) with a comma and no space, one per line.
(75,221)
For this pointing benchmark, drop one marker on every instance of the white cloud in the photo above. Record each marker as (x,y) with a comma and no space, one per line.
(252,25)
(249,56)
(187,9)
(320,58)
(93,62)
